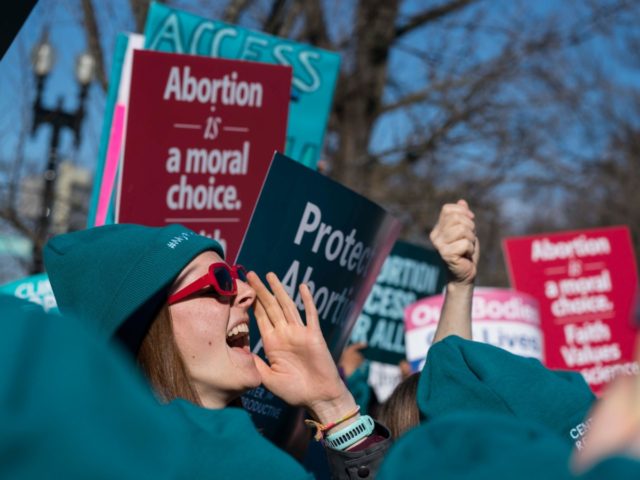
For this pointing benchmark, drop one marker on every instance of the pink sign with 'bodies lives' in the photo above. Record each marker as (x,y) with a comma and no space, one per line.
(500,317)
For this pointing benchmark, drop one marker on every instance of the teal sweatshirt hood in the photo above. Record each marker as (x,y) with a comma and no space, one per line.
(72,407)
(228,444)
(467,445)
(118,275)
(462,375)
(489,446)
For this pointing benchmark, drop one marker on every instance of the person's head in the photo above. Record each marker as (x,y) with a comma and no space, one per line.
(156,291)
(198,347)
(400,412)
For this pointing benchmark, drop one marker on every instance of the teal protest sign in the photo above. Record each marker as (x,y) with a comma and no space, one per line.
(309,229)
(35,288)
(315,71)
(409,273)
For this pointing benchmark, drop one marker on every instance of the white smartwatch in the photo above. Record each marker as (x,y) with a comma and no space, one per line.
(344,438)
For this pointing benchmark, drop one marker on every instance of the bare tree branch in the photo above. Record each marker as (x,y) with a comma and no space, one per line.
(11,216)
(140,8)
(431,14)
(292,18)
(275,20)
(93,42)
(316,32)
(233,10)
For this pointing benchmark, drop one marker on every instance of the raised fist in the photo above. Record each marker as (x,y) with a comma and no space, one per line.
(454,236)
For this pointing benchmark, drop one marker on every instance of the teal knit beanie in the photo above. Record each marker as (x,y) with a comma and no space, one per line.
(118,275)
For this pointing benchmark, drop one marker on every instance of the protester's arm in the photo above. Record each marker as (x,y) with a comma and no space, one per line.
(455,239)
(302,372)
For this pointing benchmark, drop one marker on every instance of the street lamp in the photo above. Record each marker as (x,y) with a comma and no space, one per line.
(42,59)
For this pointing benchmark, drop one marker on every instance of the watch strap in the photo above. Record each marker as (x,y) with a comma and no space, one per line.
(352,433)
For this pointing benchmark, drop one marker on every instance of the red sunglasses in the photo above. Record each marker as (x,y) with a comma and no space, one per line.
(220,276)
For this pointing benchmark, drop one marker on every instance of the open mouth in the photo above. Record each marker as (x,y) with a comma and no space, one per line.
(238,336)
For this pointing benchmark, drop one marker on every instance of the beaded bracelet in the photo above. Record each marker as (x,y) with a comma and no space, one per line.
(322,428)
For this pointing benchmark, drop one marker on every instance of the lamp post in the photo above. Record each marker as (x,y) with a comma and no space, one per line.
(42,61)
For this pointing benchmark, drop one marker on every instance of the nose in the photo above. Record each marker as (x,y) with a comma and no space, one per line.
(246,295)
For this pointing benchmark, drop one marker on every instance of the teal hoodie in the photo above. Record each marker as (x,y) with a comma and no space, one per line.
(72,407)
(226,443)
(467,445)
(465,376)
(489,446)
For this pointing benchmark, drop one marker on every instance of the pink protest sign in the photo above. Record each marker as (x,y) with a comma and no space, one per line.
(111,163)
(200,136)
(500,317)
(585,281)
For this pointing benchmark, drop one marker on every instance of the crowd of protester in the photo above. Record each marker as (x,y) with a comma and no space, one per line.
(141,374)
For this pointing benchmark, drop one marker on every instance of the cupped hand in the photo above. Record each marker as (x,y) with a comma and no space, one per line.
(454,236)
(301,370)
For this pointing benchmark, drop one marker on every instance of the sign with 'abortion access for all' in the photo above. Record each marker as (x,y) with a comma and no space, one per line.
(315,71)
(201,133)
(409,273)
(308,229)
(585,282)
(504,318)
